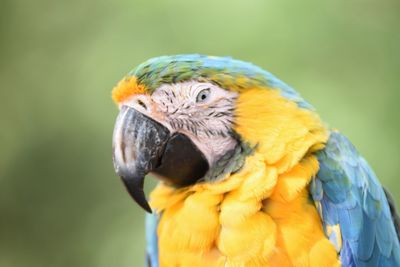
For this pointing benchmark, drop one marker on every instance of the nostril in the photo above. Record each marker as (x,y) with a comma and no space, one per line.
(140,102)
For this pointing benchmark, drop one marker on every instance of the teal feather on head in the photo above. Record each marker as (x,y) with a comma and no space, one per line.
(230,74)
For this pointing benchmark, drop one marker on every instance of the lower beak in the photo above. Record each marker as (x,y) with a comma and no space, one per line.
(142,145)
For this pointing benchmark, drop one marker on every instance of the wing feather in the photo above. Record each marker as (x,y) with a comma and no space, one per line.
(347,193)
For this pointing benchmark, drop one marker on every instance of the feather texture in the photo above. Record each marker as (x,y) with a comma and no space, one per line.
(349,195)
(230,74)
(260,215)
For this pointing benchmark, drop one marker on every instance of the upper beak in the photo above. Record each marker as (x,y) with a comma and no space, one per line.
(138,143)
(142,145)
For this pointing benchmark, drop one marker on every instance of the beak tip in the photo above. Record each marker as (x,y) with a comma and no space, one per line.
(145,205)
(148,209)
(135,190)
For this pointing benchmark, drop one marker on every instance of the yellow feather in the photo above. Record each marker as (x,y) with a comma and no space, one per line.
(290,184)
(258,233)
(261,215)
(126,88)
(283,131)
(322,254)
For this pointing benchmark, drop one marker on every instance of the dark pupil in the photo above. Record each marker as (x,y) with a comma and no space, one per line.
(203,96)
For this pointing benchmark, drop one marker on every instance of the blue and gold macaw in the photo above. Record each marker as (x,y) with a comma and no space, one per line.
(249,174)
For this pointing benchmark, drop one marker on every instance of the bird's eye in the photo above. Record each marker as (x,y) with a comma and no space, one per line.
(203,95)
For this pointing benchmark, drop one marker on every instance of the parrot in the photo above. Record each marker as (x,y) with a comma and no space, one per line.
(248,173)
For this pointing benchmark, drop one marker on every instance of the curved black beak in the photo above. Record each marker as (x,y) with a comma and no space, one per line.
(142,145)
(138,143)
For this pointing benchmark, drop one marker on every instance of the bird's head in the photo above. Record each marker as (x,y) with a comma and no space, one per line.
(192,119)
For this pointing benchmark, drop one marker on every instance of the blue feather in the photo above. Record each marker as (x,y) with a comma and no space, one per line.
(346,255)
(353,198)
(152,240)
(366,242)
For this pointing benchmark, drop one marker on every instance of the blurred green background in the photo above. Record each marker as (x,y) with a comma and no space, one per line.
(61,203)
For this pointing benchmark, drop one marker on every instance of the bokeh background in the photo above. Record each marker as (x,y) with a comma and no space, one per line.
(61,203)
